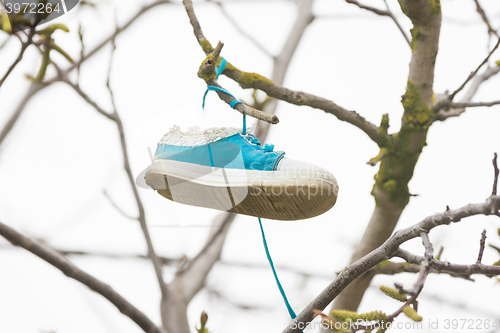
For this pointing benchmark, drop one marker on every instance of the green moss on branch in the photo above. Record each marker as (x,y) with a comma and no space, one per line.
(402,152)
(414,36)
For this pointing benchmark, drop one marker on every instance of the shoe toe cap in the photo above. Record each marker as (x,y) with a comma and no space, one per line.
(306,170)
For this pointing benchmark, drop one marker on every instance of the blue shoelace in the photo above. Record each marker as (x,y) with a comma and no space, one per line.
(218,71)
(267,147)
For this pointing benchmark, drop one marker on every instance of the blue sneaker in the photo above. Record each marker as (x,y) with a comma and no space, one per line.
(226,170)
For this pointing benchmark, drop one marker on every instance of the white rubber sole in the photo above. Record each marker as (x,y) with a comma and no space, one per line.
(280,195)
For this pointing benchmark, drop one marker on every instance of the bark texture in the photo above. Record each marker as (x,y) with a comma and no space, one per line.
(399,154)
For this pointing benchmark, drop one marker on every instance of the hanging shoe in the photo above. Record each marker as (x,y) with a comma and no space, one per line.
(228,171)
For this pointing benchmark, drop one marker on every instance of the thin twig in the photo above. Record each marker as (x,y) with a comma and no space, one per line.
(192,275)
(422,276)
(482,13)
(142,216)
(38,86)
(126,164)
(281,93)
(440,253)
(117,32)
(400,27)
(235,24)
(118,207)
(371,9)
(82,53)
(471,104)
(471,76)
(444,102)
(389,249)
(381,12)
(64,265)
(24,46)
(243,108)
(482,244)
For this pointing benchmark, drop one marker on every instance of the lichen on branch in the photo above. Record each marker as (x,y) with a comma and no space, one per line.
(401,153)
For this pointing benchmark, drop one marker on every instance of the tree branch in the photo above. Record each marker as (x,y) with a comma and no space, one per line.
(455,270)
(398,167)
(369,8)
(126,165)
(387,250)
(238,28)
(118,207)
(256,81)
(208,74)
(193,275)
(482,244)
(472,104)
(24,46)
(36,87)
(64,265)
(282,60)
(496,171)
(118,31)
(485,19)
(471,76)
(440,108)
(242,107)
(142,216)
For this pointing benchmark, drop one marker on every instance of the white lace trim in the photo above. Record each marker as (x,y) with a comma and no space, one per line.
(194,137)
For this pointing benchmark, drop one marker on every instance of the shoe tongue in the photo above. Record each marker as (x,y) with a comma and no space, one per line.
(195,137)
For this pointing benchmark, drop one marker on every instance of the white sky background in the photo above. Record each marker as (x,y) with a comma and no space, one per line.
(62,154)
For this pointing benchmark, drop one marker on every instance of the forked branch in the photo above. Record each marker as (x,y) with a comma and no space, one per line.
(390,249)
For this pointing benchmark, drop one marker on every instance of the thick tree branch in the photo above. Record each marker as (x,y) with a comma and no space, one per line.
(387,250)
(64,265)
(441,108)
(256,81)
